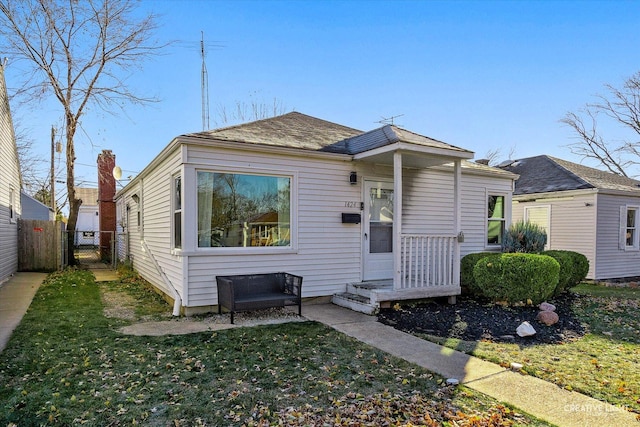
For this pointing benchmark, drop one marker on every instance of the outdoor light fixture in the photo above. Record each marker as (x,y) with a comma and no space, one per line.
(136,198)
(353,178)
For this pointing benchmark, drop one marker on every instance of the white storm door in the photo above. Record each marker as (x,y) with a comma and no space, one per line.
(378,230)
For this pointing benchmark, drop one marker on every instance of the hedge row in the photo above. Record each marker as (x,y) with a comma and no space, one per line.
(515,277)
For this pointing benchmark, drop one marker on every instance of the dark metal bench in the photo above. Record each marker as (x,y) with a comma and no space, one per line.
(255,291)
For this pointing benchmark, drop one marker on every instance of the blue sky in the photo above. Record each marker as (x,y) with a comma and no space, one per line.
(481,75)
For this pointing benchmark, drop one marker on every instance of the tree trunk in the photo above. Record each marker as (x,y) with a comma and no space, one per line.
(74,203)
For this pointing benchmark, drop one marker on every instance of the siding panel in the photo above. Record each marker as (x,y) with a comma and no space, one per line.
(9,188)
(611,261)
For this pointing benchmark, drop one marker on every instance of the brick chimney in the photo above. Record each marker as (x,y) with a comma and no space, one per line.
(106,203)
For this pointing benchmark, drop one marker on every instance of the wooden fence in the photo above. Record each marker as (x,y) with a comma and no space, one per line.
(39,245)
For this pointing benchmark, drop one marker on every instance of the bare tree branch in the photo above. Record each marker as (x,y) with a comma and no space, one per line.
(621,107)
(79,52)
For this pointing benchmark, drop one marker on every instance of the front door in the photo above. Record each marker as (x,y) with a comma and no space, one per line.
(378,230)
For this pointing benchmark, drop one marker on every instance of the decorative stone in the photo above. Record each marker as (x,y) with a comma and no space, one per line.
(525,330)
(516,366)
(545,306)
(548,317)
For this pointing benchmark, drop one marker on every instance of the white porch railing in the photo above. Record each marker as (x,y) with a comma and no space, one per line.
(428,261)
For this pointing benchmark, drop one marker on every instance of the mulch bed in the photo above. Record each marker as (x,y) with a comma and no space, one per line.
(473,320)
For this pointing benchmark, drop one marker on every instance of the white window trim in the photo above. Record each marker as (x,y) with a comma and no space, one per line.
(261,250)
(623,228)
(13,218)
(506,216)
(174,211)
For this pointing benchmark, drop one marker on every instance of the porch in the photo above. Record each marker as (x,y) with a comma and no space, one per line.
(418,263)
(429,267)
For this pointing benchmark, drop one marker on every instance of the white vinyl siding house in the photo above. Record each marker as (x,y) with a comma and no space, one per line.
(312,160)
(587,212)
(10,206)
(88,224)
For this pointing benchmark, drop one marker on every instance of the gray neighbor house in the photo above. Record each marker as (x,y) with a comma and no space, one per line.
(583,209)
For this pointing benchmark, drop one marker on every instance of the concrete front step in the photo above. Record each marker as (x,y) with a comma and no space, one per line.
(354,302)
(366,288)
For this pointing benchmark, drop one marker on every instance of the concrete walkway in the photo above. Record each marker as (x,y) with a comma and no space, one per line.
(539,398)
(531,395)
(15,299)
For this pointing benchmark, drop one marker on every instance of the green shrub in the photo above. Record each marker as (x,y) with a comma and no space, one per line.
(580,268)
(466,270)
(517,277)
(567,268)
(524,237)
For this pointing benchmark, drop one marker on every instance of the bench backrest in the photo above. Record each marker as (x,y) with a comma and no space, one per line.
(247,284)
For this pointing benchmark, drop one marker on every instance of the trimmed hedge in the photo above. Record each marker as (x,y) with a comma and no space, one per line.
(517,277)
(580,268)
(566,269)
(574,268)
(466,270)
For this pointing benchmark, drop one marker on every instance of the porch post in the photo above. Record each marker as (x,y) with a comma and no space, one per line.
(457,214)
(397,220)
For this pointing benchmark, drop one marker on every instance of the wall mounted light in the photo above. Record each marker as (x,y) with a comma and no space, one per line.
(136,198)
(353,178)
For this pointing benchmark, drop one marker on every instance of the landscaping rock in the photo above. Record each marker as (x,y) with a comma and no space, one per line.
(545,306)
(548,317)
(525,330)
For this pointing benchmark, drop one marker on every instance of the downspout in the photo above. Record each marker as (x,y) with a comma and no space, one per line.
(177,300)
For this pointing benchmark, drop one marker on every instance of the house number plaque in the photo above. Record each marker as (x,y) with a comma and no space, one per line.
(354,204)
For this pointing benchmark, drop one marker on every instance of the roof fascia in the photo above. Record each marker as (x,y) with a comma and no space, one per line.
(554,194)
(408,147)
(247,146)
(481,172)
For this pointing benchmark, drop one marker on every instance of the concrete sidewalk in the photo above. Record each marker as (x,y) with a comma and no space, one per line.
(534,396)
(15,298)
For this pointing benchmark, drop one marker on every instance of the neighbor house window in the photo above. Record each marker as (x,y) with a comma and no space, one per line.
(12,212)
(243,210)
(631,229)
(177,212)
(496,220)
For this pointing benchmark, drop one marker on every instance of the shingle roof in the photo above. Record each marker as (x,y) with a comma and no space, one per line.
(543,174)
(297,130)
(385,135)
(293,130)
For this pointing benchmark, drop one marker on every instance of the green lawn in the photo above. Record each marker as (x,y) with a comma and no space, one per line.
(66,364)
(604,364)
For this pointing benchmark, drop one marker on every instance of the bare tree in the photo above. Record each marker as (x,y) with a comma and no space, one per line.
(79,51)
(620,107)
(493,157)
(248,111)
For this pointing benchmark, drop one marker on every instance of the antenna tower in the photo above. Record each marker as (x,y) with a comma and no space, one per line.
(204,87)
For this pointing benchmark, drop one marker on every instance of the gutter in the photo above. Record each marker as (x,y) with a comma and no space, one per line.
(177,300)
